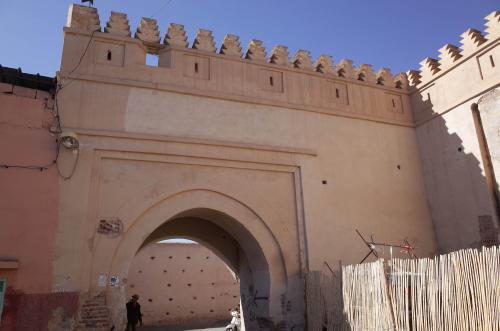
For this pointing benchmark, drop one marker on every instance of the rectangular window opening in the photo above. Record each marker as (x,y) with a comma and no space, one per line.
(492,62)
(337,93)
(196,67)
(271,80)
(393,104)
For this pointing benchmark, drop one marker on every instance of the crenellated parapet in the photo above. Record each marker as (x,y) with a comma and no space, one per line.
(302,60)
(279,56)
(384,77)
(450,56)
(231,46)
(256,51)
(86,19)
(149,34)
(365,73)
(176,36)
(83,18)
(345,69)
(118,24)
(204,41)
(324,65)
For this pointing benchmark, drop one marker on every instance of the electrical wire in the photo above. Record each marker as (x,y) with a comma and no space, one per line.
(59,87)
(168,2)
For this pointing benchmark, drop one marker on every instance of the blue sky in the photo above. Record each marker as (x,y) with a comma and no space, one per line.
(385,33)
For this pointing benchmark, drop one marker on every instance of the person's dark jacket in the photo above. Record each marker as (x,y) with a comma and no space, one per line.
(134,312)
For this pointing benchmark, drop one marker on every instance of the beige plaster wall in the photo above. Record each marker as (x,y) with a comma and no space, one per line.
(182,285)
(294,170)
(460,188)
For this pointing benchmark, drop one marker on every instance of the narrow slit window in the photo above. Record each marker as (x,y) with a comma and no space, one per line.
(393,104)
(429,97)
(492,62)
(271,80)
(196,67)
(109,56)
(337,93)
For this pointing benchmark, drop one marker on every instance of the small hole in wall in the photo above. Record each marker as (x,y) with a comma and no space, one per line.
(170,299)
(213,298)
(271,80)
(324,182)
(189,285)
(150,300)
(164,271)
(460,149)
(132,285)
(213,284)
(189,257)
(196,67)
(169,257)
(337,93)
(194,298)
(152,257)
(234,296)
(167,313)
(398,166)
(192,312)
(108,55)
(211,310)
(201,270)
(183,270)
(492,62)
(207,257)
(169,285)
(140,271)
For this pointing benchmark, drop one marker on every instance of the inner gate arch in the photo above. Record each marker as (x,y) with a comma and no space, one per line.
(250,250)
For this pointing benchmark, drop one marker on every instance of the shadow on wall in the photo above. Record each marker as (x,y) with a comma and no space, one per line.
(461,188)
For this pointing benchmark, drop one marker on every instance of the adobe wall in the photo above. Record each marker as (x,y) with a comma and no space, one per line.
(29,203)
(182,286)
(461,185)
(302,152)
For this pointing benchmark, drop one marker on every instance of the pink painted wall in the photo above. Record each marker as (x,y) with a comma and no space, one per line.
(182,286)
(28,199)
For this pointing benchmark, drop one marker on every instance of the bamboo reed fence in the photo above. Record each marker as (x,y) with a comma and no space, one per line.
(454,292)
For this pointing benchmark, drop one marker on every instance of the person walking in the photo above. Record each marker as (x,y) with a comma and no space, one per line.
(134,315)
(235,324)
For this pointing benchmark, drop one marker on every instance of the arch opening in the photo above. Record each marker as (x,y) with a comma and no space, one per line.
(182,285)
(228,240)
